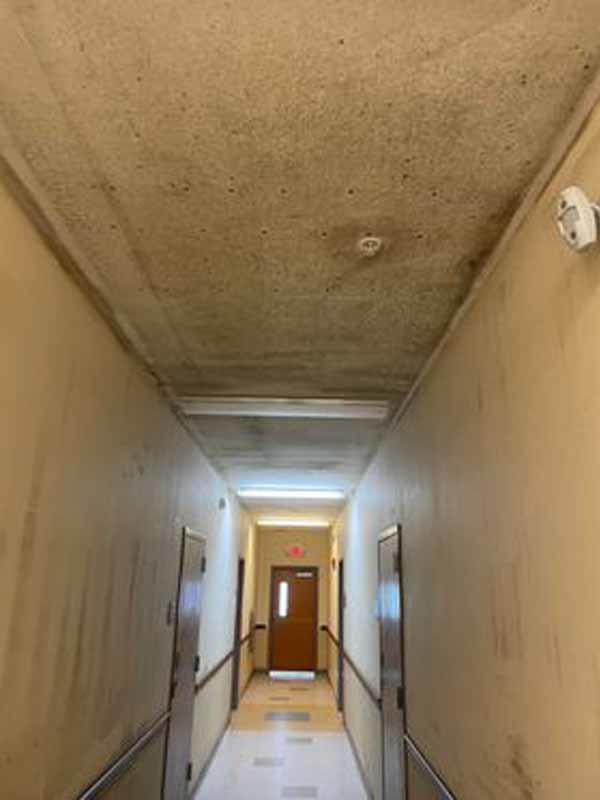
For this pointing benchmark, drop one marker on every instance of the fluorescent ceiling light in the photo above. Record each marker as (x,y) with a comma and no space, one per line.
(319,408)
(294,523)
(292,494)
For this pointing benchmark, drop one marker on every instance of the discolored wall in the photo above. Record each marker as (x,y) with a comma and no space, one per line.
(97,477)
(144,778)
(492,472)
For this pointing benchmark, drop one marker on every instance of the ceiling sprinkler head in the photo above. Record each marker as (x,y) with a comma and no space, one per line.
(370,246)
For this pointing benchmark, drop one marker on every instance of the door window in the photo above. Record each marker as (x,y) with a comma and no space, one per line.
(283,601)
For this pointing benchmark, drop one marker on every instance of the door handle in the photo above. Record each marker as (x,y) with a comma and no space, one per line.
(400,697)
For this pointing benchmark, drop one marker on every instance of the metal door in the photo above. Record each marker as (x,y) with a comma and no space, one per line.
(237,633)
(392,673)
(340,659)
(185,665)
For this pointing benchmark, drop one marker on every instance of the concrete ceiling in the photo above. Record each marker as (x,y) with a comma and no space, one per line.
(317,453)
(217,163)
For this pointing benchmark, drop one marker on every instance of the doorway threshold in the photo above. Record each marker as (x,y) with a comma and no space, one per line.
(291,675)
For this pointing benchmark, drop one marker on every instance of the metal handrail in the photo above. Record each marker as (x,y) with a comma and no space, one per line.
(118,768)
(423,764)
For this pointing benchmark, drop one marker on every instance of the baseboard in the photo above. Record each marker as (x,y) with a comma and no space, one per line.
(363,774)
(210,758)
(244,688)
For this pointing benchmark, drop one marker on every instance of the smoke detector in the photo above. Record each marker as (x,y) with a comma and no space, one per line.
(369,246)
(577,218)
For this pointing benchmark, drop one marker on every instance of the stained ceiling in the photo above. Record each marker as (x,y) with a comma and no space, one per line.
(218,163)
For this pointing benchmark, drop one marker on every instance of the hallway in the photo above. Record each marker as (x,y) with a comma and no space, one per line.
(300,373)
(302,753)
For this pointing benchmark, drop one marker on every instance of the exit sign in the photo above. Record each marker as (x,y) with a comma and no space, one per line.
(295,550)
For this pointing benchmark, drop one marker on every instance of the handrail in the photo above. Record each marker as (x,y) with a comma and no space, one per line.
(118,768)
(220,664)
(411,747)
(376,699)
(373,695)
(423,764)
(332,636)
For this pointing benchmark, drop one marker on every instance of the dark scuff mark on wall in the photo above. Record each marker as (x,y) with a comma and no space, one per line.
(520,769)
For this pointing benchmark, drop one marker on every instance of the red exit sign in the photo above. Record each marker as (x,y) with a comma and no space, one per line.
(295,550)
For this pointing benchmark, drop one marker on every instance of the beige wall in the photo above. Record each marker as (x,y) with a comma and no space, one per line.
(144,778)
(493,473)
(271,553)
(361,716)
(249,554)
(97,477)
(335,554)
(211,717)
(213,702)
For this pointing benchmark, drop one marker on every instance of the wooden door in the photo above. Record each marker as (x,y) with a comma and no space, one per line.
(392,673)
(237,634)
(340,661)
(185,665)
(294,616)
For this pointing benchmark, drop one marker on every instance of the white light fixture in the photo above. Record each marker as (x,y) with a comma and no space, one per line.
(291,494)
(319,408)
(294,523)
(577,218)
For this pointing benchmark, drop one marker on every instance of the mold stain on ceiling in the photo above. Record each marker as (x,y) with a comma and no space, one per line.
(218,163)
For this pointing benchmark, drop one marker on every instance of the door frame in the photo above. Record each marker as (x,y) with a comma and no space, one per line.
(273,605)
(237,635)
(173,618)
(340,649)
(394,531)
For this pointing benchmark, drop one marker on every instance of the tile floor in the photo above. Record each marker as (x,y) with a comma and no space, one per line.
(286,740)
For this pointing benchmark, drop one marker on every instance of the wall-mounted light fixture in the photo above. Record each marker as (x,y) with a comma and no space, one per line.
(293,523)
(291,494)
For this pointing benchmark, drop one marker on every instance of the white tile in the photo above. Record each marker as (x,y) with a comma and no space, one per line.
(263,764)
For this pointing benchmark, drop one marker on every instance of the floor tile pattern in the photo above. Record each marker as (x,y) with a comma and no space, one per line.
(269,754)
(300,791)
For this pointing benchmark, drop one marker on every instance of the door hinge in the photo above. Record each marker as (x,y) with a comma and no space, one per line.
(381,659)
(396,562)
(400,696)
(203,565)
(170,612)
(189,771)
(196,663)
(173,689)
